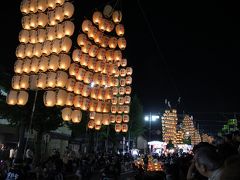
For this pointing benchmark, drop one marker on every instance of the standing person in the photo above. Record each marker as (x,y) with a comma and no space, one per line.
(16,171)
(29,156)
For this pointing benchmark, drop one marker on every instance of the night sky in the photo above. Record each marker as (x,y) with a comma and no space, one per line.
(177,49)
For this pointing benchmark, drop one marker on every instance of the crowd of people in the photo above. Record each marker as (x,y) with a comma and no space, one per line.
(219,160)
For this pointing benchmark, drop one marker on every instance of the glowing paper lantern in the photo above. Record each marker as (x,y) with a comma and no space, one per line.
(128,80)
(86,90)
(86,103)
(51,4)
(118,118)
(33,82)
(29,50)
(41,5)
(113,42)
(78,87)
(26,22)
(101,54)
(120,30)
(64,61)
(88,77)
(59,2)
(125,118)
(86,25)
(66,114)
(22,98)
(49,98)
(124,127)
(98,119)
(37,49)
(93,51)
(98,37)
(126,109)
(106,119)
(24,6)
(127,99)
(121,102)
(33,6)
(70,84)
(104,42)
(121,90)
(12,97)
(24,82)
(69,99)
(33,21)
(129,71)
(24,36)
(66,44)
(80,74)
(109,26)
(97,127)
(114,100)
(42,20)
(58,12)
(42,80)
(16,82)
(62,78)
(91,124)
(59,31)
(47,46)
(51,18)
(92,32)
(122,72)
(68,28)
(114,109)
(41,35)
(81,39)
(97,17)
(18,66)
(43,64)
(84,58)
(56,46)
(122,43)
(61,96)
(85,48)
(117,56)
(78,101)
(118,127)
(51,79)
(117,16)
(68,10)
(51,33)
(73,69)
(123,62)
(112,118)
(109,55)
(76,116)
(27,65)
(53,62)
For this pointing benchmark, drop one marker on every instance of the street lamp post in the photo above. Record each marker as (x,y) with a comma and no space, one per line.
(150,118)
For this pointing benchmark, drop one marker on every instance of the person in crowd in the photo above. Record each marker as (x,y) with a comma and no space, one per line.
(16,171)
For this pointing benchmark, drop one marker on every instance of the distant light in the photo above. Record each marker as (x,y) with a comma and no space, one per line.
(92,85)
(154,117)
(146,118)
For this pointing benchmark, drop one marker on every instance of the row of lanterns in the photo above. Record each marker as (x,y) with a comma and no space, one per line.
(17,97)
(120,109)
(121,100)
(42,64)
(48,47)
(33,6)
(71,115)
(50,33)
(52,18)
(98,17)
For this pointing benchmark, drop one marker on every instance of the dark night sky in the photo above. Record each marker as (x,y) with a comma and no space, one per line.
(188,49)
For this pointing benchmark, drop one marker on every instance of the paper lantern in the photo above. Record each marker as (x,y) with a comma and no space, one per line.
(69,99)
(22,98)
(98,37)
(58,12)
(115,91)
(120,109)
(128,90)
(59,2)
(29,50)
(124,127)
(66,114)
(88,77)
(84,58)
(92,106)
(66,44)
(86,25)
(107,11)
(125,118)
(18,67)
(78,87)
(104,42)
(41,35)
(110,81)
(76,54)
(122,72)
(100,105)
(92,115)
(64,61)
(70,84)
(109,26)
(24,36)
(33,6)
(116,82)
(98,119)
(86,90)
(26,22)
(121,100)
(61,96)
(113,109)
(33,82)
(121,90)
(51,18)
(128,80)
(42,19)
(59,31)
(117,16)
(97,17)
(129,71)
(53,62)
(26,65)
(33,21)
(113,42)
(99,66)
(76,116)
(16,82)
(51,33)
(43,64)
(78,101)
(24,6)
(73,69)
(12,97)
(91,124)
(101,94)
(51,79)
(20,51)
(62,78)
(97,78)
(122,43)
(92,63)
(24,82)
(93,51)
(117,56)
(112,118)
(56,46)
(85,48)
(126,109)
(86,103)
(102,25)
(120,29)
(118,118)
(118,127)
(68,9)
(117,74)
(97,127)
(51,4)
(92,32)
(109,55)
(81,39)
(127,99)
(49,98)
(123,62)
(106,107)
(101,54)
(46,48)
(94,92)
(42,80)
(114,100)
(37,49)
(104,80)
(80,74)
(42,5)
(68,28)
(106,119)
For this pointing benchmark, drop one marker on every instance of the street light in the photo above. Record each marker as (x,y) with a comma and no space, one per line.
(149,118)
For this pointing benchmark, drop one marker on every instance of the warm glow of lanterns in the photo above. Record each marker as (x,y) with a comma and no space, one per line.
(69,99)
(73,69)
(42,19)
(121,90)
(117,55)
(120,29)
(91,124)
(120,109)
(53,62)
(42,80)
(86,25)
(16,82)
(112,118)
(92,32)
(24,82)
(27,65)
(81,39)
(124,127)
(78,87)
(66,114)
(59,16)
(117,17)
(64,61)
(22,98)
(18,66)
(97,17)
(114,109)
(56,46)
(122,43)
(76,116)
(49,98)
(61,96)
(125,118)
(128,90)
(70,84)
(128,80)
(43,64)
(113,42)
(24,36)
(29,50)
(105,119)
(46,48)
(68,28)
(66,44)
(68,9)
(93,51)
(126,109)
(12,97)
(118,127)
(127,99)
(62,78)
(41,35)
